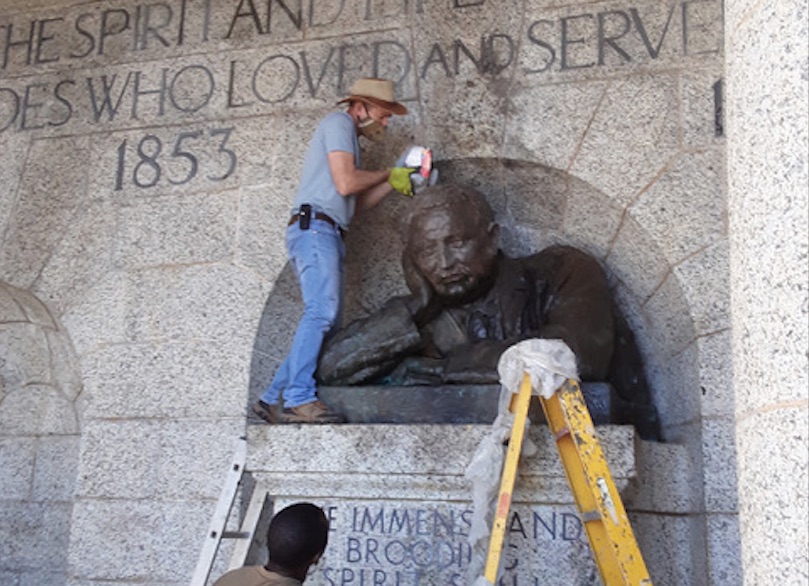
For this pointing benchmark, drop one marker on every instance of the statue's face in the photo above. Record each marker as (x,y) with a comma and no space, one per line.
(452,252)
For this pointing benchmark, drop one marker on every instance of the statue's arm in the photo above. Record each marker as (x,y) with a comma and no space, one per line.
(368,348)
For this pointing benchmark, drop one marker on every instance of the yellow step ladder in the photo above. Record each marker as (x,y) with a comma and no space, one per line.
(602,512)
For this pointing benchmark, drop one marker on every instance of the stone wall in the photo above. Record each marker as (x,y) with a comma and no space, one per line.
(150,152)
(768,75)
(39,441)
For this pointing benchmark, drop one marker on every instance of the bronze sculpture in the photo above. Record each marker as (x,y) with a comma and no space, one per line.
(469,302)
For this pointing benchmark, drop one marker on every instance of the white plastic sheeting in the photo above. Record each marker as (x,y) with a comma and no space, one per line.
(548,363)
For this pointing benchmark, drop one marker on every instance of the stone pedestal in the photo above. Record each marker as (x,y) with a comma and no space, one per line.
(448,404)
(400,507)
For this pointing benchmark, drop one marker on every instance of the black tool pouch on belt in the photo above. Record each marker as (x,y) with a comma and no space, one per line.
(305,216)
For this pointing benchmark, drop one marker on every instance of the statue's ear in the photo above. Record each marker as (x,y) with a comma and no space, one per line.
(494,236)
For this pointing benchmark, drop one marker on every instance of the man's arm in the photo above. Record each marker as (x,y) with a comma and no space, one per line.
(349,180)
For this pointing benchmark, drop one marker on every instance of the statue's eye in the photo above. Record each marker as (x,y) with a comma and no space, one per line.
(458,243)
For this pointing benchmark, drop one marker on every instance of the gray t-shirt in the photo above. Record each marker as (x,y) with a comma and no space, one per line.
(335,132)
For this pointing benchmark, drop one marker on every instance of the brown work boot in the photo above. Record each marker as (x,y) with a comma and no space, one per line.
(269,413)
(314,412)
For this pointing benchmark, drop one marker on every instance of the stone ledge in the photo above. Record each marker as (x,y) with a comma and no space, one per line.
(411,461)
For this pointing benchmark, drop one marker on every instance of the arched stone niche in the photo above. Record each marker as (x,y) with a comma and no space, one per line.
(39,440)
(536,206)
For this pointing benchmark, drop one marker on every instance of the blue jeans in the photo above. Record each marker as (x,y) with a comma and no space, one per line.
(317,256)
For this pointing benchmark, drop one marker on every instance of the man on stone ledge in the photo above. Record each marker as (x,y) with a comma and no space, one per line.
(333,186)
(469,302)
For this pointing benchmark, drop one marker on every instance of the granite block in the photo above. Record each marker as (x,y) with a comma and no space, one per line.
(119,555)
(184,524)
(724,550)
(716,379)
(670,316)
(26,354)
(772,458)
(17,457)
(719,466)
(98,318)
(704,280)
(57,461)
(659,537)
(118,459)
(34,536)
(177,230)
(38,409)
(217,302)
(261,231)
(80,259)
(192,455)
(591,219)
(631,138)
(636,259)
(683,207)
(652,490)
(46,206)
(177,380)
(536,196)
(64,364)
(550,121)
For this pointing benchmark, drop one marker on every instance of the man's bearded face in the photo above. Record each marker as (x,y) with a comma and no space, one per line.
(453,252)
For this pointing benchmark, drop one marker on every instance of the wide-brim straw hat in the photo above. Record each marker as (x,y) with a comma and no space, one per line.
(377,92)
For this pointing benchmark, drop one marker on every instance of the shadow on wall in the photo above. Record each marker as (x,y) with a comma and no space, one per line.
(536,207)
(39,440)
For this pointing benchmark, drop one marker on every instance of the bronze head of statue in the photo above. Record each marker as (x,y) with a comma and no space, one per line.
(450,244)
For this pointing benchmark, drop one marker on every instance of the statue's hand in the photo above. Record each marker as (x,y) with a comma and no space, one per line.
(423,303)
(417,370)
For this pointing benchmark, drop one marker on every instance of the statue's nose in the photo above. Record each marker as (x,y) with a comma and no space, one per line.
(448,257)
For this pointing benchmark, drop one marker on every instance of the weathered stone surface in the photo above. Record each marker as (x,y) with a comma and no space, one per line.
(643,108)
(99,317)
(210,302)
(80,259)
(716,384)
(117,554)
(707,292)
(781,497)
(719,466)
(591,220)
(37,409)
(636,259)
(177,230)
(703,95)
(175,380)
(553,120)
(56,466)
(672,323)
(26,359)
(46,206)
(724,544)
(682,208)
(17,461)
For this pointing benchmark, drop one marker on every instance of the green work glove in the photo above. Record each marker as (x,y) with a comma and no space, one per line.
(400,180)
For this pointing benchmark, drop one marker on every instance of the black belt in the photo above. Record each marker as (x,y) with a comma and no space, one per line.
(318,216)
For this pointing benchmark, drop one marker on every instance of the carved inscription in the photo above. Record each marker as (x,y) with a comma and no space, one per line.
(556,45)
(395,544)
(148,169)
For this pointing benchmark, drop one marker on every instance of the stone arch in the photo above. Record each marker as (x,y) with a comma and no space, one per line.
(39,439)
